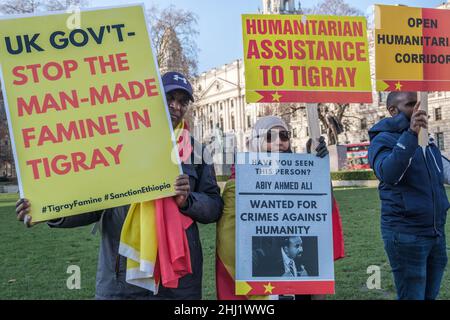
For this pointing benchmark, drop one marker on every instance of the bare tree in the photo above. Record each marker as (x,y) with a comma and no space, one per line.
(282,110)
(334,7)
(57,5)
(31,6)
(174,33)
(19,6)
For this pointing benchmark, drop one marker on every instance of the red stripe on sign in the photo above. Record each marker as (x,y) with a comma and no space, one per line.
(315,97)
(439,67)
(399,85)
(291,287)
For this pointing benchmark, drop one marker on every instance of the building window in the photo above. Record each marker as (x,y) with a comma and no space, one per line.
(232,121)
(249,122)
(210,108)
(307,131)
(221,106)
(363,124)
(260,113)
(438,114)
(211,126)
(440,140)
(232,103)
(221,123)
(294,133)
(382,97)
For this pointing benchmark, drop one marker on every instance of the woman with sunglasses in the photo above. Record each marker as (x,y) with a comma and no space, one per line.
(269,134)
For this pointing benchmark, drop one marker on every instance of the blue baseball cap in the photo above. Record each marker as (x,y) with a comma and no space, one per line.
(175,80)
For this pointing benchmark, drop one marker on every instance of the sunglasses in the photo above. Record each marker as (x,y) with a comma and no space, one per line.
(273,135)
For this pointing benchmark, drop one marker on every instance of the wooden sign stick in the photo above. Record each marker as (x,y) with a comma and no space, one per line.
(313,124)
(423,134)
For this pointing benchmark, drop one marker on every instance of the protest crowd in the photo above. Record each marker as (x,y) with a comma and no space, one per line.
(278,224)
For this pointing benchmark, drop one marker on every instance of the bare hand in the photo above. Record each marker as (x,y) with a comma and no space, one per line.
(182,190)
(419,119)
(23,212)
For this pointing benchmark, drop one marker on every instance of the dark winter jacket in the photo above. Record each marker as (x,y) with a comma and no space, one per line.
(204,205)
(412,193)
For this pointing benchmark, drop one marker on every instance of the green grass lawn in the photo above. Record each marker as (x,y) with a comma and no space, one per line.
(34,261)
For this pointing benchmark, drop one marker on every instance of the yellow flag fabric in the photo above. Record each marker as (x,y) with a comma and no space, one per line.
(139,244)
(226,252)
(139,237)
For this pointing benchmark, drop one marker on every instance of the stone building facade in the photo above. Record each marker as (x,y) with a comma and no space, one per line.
(439,121)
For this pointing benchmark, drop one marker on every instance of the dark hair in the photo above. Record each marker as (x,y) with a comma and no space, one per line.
(394,96)
(285,240)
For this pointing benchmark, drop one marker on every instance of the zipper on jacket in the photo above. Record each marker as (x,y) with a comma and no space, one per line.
(432,190)
(439,170)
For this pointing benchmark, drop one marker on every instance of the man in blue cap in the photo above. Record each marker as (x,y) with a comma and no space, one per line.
(197,196)
(178,91)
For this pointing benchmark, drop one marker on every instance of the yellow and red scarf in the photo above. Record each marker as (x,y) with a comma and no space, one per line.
(153,237)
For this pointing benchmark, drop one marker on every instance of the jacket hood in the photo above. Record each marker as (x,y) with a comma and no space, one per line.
(396,124)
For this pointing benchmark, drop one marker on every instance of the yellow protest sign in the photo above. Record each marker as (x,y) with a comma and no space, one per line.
(306,58)
(86,111)
(412,48)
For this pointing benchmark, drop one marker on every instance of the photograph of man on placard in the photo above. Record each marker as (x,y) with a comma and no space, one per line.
(291,256)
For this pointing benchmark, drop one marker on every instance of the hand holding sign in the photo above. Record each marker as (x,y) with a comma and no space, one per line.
(182,190)
(419,119)
(23,212)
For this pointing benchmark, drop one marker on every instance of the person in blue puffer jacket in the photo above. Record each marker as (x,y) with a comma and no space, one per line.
(413,199)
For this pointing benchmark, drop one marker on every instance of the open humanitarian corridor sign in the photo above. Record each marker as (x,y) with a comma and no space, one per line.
(306,58)
(86,111)
(412,49)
